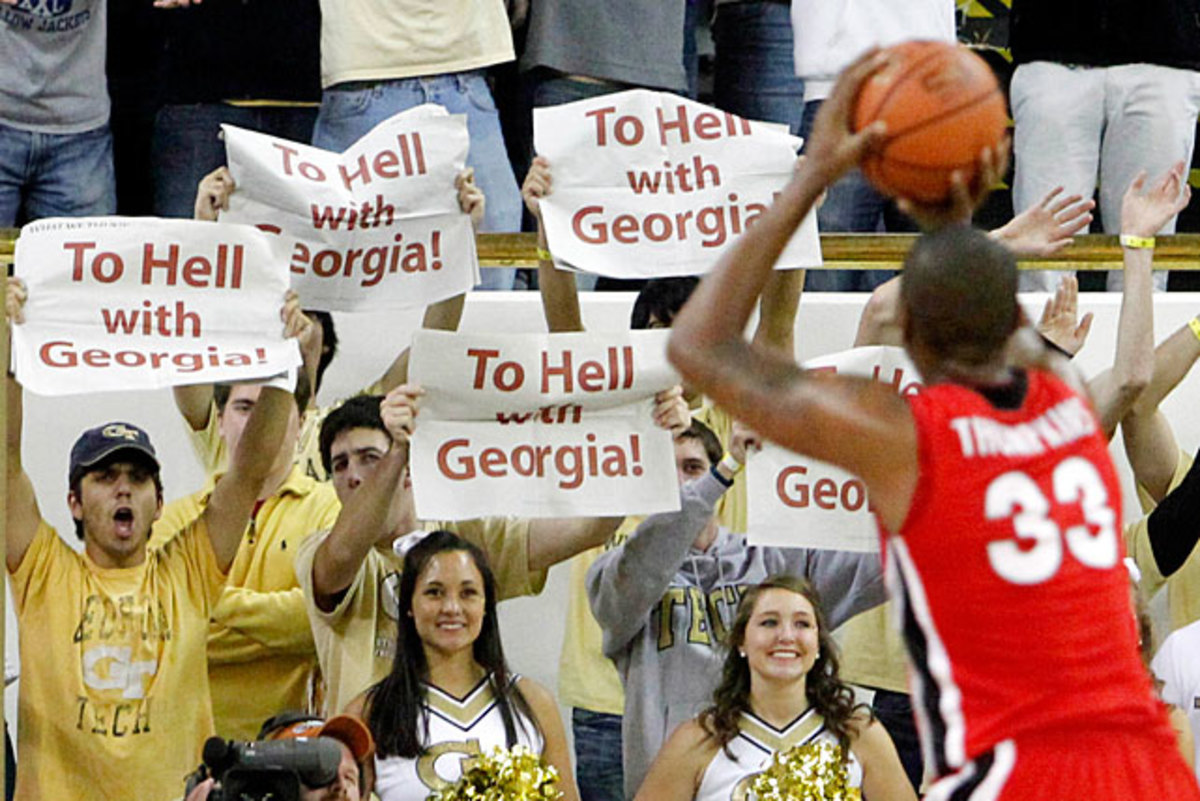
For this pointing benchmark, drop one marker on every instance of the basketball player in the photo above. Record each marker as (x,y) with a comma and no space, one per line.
(995,486)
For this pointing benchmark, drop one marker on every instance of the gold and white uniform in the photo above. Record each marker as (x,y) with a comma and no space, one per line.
(729,778)
(459,730)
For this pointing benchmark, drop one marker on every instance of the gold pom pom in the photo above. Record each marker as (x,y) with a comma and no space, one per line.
(502,775)
(816,771)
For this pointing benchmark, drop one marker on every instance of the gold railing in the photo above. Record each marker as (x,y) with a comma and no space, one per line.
(849,252)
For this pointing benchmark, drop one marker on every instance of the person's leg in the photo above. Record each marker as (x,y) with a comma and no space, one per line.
(851,204)
(350,111)
(598,766)
(186,147)
(15,157)
(755,77)
(1150,124)
(292,123)
(72,176)
(468,93)
(895,712)
(1059,116)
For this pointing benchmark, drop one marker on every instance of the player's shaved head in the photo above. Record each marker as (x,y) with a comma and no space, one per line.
(959,295)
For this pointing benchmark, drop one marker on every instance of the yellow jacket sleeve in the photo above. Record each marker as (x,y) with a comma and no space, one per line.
(247,625)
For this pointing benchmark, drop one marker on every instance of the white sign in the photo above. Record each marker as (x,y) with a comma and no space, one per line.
(378,226)
(797,501)
(650,184)
(137,303)
(541,425)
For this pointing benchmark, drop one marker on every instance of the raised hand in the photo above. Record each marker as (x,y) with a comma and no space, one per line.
(671,410)
(1047,227)
(399,410)
(212,195)
(1144,213)
(15,295)
(470,197)
(1060,321)
(536,186)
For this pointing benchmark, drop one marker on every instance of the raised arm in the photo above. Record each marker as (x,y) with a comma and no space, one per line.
(370,511)
(1150,442)
(444,315)
(235,493)
(21,516)
(1143,214)
(560,297)
(857,424)
(625,583)
(233,497)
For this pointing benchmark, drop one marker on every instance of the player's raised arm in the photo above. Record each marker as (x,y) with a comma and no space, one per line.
(858,424)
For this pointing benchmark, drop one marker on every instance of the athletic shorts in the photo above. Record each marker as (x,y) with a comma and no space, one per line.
(1087,767)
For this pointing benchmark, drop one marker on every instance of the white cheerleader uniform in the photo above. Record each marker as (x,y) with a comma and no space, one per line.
(729,778)
(459,730)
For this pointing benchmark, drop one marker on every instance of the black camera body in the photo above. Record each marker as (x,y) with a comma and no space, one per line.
(266,769)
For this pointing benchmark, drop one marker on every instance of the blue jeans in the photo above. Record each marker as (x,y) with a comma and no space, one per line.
(349,111)
(186,145)
(755,75)
(55,175)
(852,204)
(598,766)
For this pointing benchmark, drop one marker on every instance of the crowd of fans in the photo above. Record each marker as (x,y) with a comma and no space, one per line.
(300,578)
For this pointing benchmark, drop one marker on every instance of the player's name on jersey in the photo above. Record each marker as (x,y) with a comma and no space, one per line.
(1059,426)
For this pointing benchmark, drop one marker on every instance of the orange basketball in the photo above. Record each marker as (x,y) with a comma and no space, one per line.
(942,105)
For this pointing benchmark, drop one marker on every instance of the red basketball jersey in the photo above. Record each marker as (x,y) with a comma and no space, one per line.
(1008,572)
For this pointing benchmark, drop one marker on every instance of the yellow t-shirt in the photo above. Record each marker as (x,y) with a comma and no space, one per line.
(366,40)
(587,678)
(1183,588)
(260,647)
(114,699)
(356,642)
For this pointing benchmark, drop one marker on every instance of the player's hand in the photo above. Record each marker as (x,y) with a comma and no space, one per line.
(965,196)
(1060,321)
(1144,213)
(743,441)
(671,410)
(536,186)
(1047,227)
(399,410)
(470,197)
(212,194)
(834,147)
(15,295)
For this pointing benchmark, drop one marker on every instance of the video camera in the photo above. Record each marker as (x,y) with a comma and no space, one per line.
(266,769)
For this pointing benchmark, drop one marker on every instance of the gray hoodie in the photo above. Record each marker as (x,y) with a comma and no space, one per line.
(670,671)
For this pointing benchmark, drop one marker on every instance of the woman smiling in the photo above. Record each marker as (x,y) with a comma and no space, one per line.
(450,696)
(779,694)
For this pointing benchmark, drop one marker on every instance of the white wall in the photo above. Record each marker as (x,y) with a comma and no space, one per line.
(532,626)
